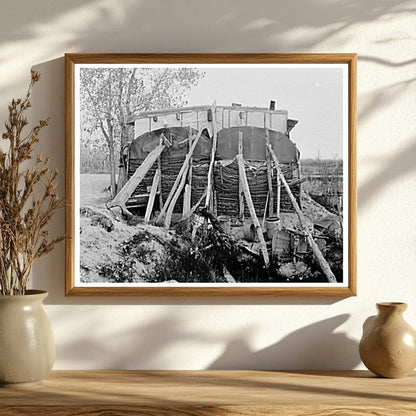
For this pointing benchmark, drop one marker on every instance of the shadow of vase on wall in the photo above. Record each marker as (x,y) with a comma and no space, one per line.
(321,345)
(388,345)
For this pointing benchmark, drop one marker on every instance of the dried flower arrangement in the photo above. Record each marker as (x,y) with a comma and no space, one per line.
(28,199)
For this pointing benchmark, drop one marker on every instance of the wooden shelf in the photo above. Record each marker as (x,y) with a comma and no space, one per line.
(202,393)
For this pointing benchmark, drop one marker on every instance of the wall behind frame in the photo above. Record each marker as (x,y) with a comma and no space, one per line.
(198,333)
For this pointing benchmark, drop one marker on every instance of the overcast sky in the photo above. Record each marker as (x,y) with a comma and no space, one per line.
(314,96)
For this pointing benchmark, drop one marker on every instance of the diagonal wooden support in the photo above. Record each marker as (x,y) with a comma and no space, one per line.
(324,265)
(127,190)
(188,187)
(212,160)
(151,201)
(189,213)
(187,197)
(240,190)
(159,168)
(174,199)
(184,169)
(270,194)
(250,205)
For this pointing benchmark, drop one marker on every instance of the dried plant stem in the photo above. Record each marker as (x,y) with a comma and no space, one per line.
(23,217)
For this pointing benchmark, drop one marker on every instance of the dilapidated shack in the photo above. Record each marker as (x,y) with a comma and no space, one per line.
(236,162)
(238,129)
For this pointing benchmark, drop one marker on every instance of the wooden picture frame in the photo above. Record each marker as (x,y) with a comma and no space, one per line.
(332,77)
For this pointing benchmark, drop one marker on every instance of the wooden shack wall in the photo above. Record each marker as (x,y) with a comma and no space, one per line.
(226,181)
(225,117)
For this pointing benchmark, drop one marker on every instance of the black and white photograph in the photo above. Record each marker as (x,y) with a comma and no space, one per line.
(211,175)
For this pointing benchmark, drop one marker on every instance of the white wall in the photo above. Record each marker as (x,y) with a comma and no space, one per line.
(198,333)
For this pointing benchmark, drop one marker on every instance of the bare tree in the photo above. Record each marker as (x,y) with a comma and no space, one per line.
(110,96)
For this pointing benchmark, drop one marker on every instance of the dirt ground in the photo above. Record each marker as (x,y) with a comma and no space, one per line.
(103,236)
(113,250)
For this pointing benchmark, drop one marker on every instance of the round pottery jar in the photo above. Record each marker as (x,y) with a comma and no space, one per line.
(388,345)
(27,347)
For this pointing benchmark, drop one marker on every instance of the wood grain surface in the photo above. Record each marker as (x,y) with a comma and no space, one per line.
(202,393)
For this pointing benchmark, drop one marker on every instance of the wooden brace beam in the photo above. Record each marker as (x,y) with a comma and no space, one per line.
(250,205)
(212,160)
(127,190)
(324,265)
(178,179)
(151,201)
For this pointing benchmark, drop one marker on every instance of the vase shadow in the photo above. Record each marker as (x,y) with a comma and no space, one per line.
(313,347)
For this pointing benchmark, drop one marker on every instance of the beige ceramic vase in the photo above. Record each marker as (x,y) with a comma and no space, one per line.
(388,344)
(27,347)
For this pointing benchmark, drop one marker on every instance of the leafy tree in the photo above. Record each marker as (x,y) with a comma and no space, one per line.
(110,96)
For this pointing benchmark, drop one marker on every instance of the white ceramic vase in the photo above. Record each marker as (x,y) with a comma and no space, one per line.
(27,347)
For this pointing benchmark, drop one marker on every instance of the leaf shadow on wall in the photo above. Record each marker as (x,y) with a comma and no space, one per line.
(139,26)
(402,163)
(152,345)
(116,347)
(391,170)
(131,19)
(313,347)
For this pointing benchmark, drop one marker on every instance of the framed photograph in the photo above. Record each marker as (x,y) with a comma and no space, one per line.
(211,174)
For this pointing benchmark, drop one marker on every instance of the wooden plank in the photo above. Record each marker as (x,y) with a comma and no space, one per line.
(151,201)
(228,276)
(187,199)
(240,143)
(325,267)
(174,200)
(297,181)
(195,207)
(178,178)
(218,410)
(249,202)
(278,197)
(159,168)
(188,187)
(265,211)
(212,160)
(191,160)
(128,189)
(269,177)
(202,108)
(279,190)
(240,189)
